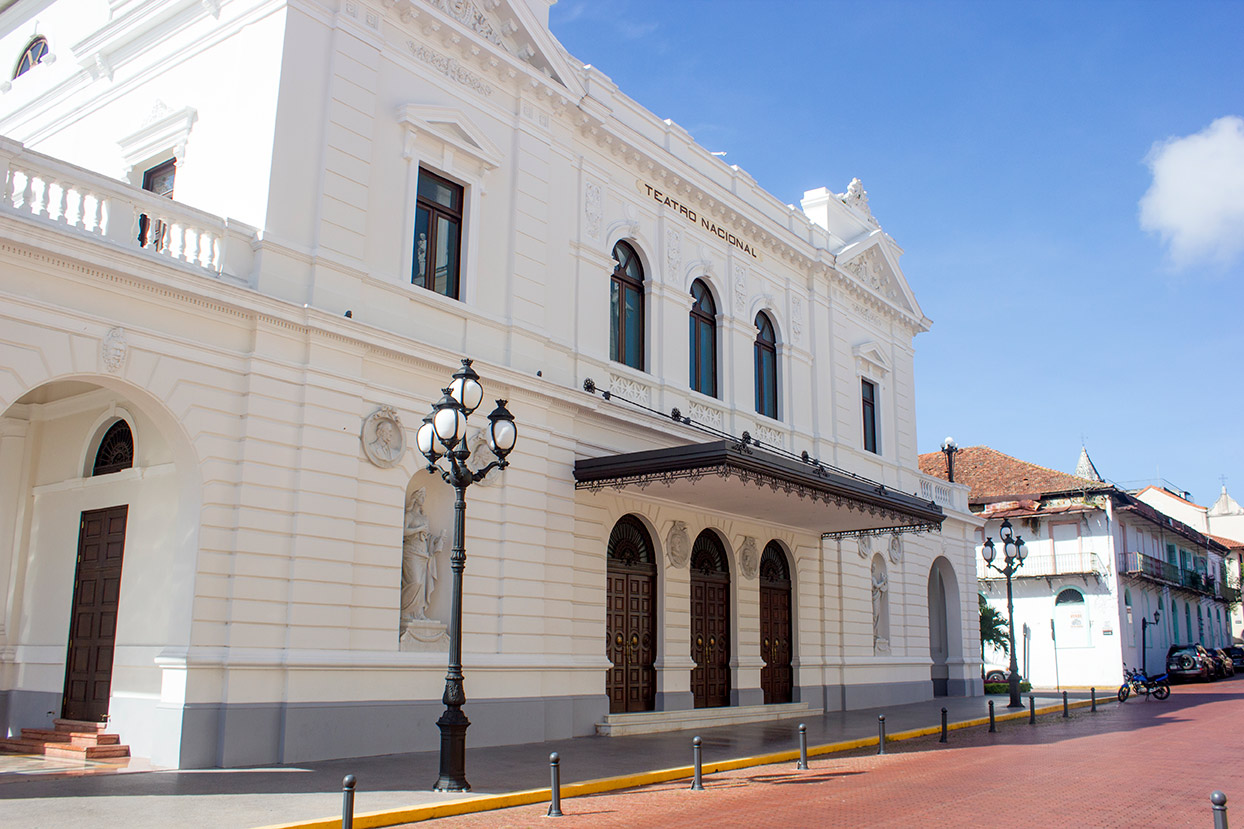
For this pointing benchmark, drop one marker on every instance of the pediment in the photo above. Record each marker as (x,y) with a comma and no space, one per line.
(869,358)
(509,25)
(871,264)
(452,127)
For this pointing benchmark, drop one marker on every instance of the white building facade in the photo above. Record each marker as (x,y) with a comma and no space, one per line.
(209,400)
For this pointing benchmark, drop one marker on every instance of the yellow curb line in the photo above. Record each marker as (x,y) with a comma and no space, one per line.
(491,802)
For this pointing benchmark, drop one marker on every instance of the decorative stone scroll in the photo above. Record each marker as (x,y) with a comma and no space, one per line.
(749,558)
(383,438)
(678,545)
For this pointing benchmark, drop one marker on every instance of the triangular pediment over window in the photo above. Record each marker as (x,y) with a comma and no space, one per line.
(873,266)
(870,359)
(452,127)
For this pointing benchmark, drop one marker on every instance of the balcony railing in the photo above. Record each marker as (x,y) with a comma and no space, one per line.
(943,494)
(75,199)
(1064,564)
(1139,564)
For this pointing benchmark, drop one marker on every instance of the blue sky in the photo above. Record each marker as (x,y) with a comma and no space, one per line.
(1007,147)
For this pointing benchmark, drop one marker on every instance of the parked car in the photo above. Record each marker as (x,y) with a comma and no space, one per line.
(1188,662)
(1237,656)
(1227,667)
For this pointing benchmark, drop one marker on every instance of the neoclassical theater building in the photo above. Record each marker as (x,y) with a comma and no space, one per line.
(243,246)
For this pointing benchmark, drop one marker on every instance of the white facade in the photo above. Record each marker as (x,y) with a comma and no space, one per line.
(1097,566)
(259,610)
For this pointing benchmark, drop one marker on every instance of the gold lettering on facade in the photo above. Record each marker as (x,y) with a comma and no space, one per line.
(700,221)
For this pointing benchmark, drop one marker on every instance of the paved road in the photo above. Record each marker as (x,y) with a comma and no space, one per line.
(1141,764)
(258,796)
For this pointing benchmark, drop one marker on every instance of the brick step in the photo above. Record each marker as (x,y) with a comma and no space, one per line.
(78,725)
(77,738)
(62,750)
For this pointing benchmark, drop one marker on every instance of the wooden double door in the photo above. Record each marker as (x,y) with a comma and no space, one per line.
(93,623)
(777,675)
(631,619)
(710,623)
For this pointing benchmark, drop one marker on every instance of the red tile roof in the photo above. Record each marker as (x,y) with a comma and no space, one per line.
(1229,543)
(995,476)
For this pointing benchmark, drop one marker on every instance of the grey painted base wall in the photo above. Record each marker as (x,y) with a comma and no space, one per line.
(873,695)
(28,709)
(243,735)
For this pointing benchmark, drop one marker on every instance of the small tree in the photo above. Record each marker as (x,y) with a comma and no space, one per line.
(993,628)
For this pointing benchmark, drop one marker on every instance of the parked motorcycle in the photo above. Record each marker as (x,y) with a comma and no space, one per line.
(1136,682)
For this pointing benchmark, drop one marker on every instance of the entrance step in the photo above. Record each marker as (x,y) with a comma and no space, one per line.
(652,722)
(70,739)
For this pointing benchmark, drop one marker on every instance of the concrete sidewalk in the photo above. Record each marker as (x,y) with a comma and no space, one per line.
(306,791)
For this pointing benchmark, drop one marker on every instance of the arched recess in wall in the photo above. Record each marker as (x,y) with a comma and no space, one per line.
(945,623)
(776,625)
(631,638)
(710,621)
(1071,620)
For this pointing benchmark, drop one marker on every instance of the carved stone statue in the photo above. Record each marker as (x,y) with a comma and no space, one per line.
(678,545)
(749,558)
(881,584)
(419,550)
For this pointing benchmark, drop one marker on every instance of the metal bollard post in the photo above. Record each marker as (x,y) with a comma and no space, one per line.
(347,802)
(1220,809)
(943,739)
(881,734)
(1066,711)
(697,784)
(993,726)
(555,787)
(803,747)
(1032,710)
(1093,697)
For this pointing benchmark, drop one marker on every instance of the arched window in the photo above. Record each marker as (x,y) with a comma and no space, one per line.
(116,450)
(626,307)
(35,53)
(765,350)
(1071,619)
(703,340)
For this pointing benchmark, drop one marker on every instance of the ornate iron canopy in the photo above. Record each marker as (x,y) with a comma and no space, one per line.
(743,479)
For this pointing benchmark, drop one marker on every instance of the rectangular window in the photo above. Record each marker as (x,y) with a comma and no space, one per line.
(158,180)
(868,391)
(438,235)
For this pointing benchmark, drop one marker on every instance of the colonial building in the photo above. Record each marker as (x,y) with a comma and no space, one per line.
(1100,562)
(244,244)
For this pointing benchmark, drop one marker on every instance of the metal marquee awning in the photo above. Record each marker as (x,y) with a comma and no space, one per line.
(746,480)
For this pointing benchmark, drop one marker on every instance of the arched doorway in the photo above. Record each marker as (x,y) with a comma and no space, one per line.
(630,618)
(945,628)
(776,677)
(710,622)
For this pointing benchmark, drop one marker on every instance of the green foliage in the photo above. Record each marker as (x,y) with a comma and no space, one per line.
(993,628)
(1004,688)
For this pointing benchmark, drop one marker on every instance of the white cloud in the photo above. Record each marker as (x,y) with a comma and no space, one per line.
(1196,201)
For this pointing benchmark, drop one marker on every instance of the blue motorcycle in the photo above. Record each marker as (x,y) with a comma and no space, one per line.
(1135,681)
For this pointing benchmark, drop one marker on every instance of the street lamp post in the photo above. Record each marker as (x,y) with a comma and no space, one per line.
(949,449)
(1014,552)
(442,437)
(1144,651)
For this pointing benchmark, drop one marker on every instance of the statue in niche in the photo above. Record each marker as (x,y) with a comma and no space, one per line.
(880,584)
(419,550)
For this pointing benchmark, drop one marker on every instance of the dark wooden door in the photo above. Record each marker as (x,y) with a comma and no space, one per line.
(93,623)
(776,677)
(710,639)
(631,631)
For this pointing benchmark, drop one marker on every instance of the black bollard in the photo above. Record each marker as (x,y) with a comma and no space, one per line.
(1093,697)
(555,787)
(803,747)
(1032,710)
(1066,711)
(1220,809)
(347,802)
(881,734)
(993,726)
(943,739)
(697,784)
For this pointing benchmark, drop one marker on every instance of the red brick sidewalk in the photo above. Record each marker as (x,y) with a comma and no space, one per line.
(1144,763)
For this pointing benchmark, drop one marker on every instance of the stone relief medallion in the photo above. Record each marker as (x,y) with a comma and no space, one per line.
(383,438)
(896,548)
(864,545)
(114,349)
(678,545)
(749,558)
